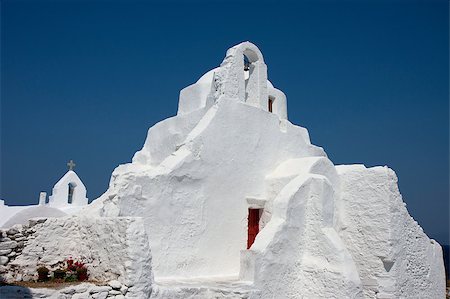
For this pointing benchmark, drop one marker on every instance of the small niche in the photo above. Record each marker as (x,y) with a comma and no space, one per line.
(388,265)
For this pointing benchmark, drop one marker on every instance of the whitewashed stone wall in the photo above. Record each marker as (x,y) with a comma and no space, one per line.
(113,249)
(393,255)
(12,242)
(112,289)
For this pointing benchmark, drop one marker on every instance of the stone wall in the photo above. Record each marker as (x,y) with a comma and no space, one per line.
(112,289)
(12,242)
(112,248)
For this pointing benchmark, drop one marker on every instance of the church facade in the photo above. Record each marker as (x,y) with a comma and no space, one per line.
(230,188)
(229,199)
(68,197)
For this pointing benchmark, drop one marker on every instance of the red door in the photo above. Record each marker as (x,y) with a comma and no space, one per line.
(253,226)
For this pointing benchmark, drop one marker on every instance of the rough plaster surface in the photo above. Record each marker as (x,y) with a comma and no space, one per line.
(326,231)
(394,257)
(181,198)
(112,248)
(204,287)
(299,244)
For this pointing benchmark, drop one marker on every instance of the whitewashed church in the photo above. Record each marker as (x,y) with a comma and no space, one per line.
(229,199)
(68,197)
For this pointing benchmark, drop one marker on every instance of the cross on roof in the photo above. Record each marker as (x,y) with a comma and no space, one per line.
(71,165)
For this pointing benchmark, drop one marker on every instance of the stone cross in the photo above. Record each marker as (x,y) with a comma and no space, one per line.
(71,165)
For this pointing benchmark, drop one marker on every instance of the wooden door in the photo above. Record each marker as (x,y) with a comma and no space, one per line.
(253,226)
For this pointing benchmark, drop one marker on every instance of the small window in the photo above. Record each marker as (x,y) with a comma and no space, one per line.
(70,195)
(270,104)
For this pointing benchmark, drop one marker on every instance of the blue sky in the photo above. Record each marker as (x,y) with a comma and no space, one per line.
(85,80)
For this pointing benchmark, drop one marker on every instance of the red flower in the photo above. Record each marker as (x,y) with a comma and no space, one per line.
(78,268)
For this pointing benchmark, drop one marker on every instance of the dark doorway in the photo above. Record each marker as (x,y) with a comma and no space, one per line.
(253,225)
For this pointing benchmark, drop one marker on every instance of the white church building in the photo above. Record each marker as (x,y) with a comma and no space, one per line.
(230,188)
(229,199)
(68,197)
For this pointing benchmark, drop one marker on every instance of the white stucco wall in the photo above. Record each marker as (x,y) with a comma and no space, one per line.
(326,231)
(181,199)
(299,253)
(393,255)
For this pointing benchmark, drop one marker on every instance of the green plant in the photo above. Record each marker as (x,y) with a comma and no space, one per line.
(59,274)
(71,278)
(42,273)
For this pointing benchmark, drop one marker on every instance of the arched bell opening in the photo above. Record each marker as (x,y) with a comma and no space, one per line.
(251,80)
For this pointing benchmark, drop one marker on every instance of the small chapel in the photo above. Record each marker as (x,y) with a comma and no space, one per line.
(69,191)
(68,197)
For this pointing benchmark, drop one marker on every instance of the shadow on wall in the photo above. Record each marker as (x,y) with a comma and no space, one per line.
(13,291)
(446,252)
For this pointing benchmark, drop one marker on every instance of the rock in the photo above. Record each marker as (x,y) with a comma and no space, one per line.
(81,296)
(115,284)
(20,239)
(13,253)
(8,245)
(101,295)
(124,289)
(3,269)
(8,277)
(99,289)
(3,260)
(32,222)
(81,288)
(69,290)
(5,251)
(12,231)
(114,292)
(119,297)
(28,277)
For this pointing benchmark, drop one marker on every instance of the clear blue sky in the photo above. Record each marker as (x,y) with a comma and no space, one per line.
(85,80)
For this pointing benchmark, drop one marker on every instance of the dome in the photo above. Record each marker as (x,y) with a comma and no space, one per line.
(23,216)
